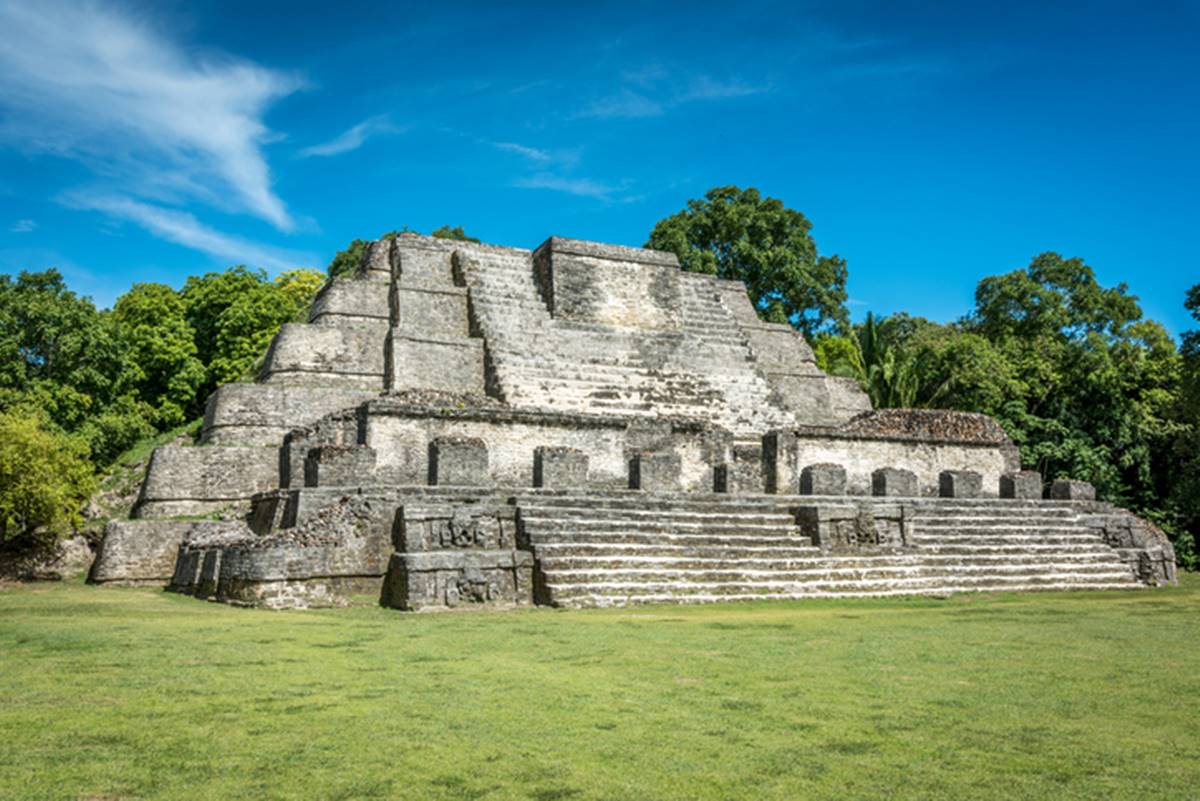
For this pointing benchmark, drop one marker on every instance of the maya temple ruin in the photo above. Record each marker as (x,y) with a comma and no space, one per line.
(465,425)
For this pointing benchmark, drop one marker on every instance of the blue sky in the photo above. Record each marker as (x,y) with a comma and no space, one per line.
(929,143)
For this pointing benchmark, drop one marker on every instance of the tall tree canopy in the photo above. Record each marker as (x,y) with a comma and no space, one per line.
(1078,378)
(45,478)
(89,384)
(738,234)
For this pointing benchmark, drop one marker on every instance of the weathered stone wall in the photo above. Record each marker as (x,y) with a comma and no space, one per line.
(139,551)
(261,414)
(457,552)
(610,285)
(349,354)
(400,436)
(915,440)
(348,300)
(194,481)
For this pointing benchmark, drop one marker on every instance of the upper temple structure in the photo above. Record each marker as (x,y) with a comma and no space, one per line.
(585,424)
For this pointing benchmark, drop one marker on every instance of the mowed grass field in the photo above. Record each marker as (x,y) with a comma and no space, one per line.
(140,694)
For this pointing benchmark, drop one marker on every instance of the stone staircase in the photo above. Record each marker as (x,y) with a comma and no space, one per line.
(622,548)
(705,371)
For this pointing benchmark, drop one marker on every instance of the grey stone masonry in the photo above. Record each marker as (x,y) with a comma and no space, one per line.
(823,479)
(894,482)
(1021,485)
(559,467)
(139,551)
(654,472)
(960,484)
(458,462)
(507,401)
(457,552)
(743,473)
(338,465)
(779,463)
(1068,490)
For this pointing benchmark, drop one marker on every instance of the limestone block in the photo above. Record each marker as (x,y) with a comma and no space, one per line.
(262,414)
(609,284)
(183,480)
(376,264)
(486,524)
(1021,485)
(339,355)
(458,461)
(849,527)
(139,551)
(431,313)
(350,299)
(339,466)
(894,482)
(448,366)
(823,479)
(743,474)
(449,579)
(655,472)
(1069,490)
(960,484)
(421,261)
(559,468)
(779,463)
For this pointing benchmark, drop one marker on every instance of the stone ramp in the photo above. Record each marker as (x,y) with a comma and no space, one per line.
(617,549)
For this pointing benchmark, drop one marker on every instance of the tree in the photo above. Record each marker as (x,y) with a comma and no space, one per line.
(45,478)
(152,321)
(245,327)
(63,360)
(234,314)
(1184,464)
(738,234)
(456,233)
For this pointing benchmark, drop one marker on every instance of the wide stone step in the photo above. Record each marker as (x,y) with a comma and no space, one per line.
(681,578)
(1075,546)
(996,521)
(654,503)
(990,508)
(634,537)
(784,559)
(616,552)
(681,591)
(969,529)
(731,525)
(1028,538)
(716,516)
(634,599)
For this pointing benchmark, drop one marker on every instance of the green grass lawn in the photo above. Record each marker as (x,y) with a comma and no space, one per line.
(138,694)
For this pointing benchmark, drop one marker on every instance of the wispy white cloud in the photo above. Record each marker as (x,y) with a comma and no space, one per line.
(184,229)
(704,87)
(23,226)
(531,153)
(353,138)
(103,86)
(657,92)
(581,187)
(626,104)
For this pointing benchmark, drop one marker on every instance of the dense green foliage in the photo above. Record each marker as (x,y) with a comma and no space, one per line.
(1080,380)
(45,478)
(1057,696)
(738,234)
(89,384)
